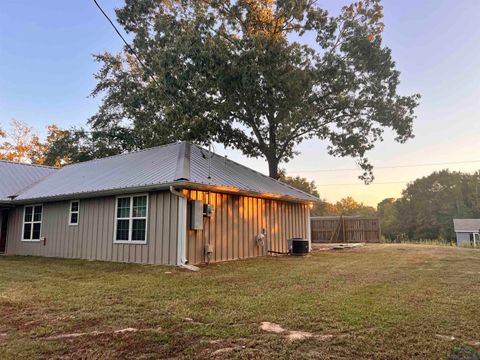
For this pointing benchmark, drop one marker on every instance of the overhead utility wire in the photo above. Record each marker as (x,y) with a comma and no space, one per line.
(149,72)
(355,184)
(387,167)
(146,68)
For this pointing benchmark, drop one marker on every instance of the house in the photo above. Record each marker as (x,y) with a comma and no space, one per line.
(15,177)
(168,205)
(467,232)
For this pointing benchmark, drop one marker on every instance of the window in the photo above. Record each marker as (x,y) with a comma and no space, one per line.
(32,222)
(131,219)
(74,212)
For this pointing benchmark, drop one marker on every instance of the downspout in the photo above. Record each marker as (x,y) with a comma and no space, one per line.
(182,227)
(309,228)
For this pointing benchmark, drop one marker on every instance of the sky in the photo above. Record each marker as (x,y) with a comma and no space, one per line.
(47,68)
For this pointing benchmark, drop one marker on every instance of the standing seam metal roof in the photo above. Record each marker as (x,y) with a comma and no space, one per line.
(15,177)
(167,164)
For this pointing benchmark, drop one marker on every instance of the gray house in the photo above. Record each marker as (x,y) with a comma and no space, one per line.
(15,177)
(467,232)
(170,205)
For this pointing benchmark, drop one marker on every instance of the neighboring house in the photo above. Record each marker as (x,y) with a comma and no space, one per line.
(467,232)
(171,205)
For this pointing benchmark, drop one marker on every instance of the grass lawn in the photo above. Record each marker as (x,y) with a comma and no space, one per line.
(379,301)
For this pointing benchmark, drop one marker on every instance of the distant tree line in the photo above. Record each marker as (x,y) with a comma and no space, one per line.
(428,206)
(425,210)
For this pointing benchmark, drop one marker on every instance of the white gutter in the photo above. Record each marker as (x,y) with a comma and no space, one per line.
(182,227)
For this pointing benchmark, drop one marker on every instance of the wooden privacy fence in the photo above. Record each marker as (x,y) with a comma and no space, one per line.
(345,229)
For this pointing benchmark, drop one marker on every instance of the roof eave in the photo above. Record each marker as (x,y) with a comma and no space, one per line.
(165,186)
(100,193)
(229,190)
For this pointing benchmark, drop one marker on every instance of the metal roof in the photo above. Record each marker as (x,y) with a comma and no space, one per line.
(15,177)
(466,225)
(180,164)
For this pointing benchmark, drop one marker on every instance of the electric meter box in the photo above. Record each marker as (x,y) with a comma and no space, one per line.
(196,215)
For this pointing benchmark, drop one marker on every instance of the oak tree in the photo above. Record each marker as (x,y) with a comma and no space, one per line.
(247,73)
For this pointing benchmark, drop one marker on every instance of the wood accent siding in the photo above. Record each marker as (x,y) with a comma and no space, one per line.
(92,238)
(236,221)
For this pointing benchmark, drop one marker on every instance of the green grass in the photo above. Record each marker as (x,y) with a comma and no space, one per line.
(437,242)
(379,301)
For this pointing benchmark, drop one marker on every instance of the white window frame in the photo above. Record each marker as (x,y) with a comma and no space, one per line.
(70,212)
(31,222)
(130,221)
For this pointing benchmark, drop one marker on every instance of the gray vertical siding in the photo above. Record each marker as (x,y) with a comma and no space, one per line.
(237,220)
(463,239)
(93,237)
(231,229)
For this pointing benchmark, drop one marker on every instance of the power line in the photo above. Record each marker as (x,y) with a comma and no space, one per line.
(360,184)
(147,70)
(388,167)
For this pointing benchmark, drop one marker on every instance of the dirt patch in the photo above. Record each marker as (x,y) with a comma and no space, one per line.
(326,336)
(445,337)
(298,335)
(292,335)
(271,327)
(227,350)
(96,333)
(316,247)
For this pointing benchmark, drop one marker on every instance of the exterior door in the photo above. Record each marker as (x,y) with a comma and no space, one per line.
(476,240)
(3,231)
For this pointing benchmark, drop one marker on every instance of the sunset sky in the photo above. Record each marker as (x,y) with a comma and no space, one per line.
(46,75)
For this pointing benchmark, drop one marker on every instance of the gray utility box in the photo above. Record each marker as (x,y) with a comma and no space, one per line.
(196,215)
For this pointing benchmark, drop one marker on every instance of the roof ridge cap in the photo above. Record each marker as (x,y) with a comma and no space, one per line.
(123,154)
(182,172)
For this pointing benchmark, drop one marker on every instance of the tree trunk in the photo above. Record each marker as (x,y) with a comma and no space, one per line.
(273,168)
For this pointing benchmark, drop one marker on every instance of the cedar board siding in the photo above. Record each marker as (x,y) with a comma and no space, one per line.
(237,220)
(92,238)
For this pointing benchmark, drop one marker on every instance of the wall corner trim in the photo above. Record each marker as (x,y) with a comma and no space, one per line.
(182,227)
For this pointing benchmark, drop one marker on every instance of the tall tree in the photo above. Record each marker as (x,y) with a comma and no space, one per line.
(349,206)
(388,214)
(299,182)
(321,207)
(243,73)
(21,144)
(77,145)
(346,206)
(428,205)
